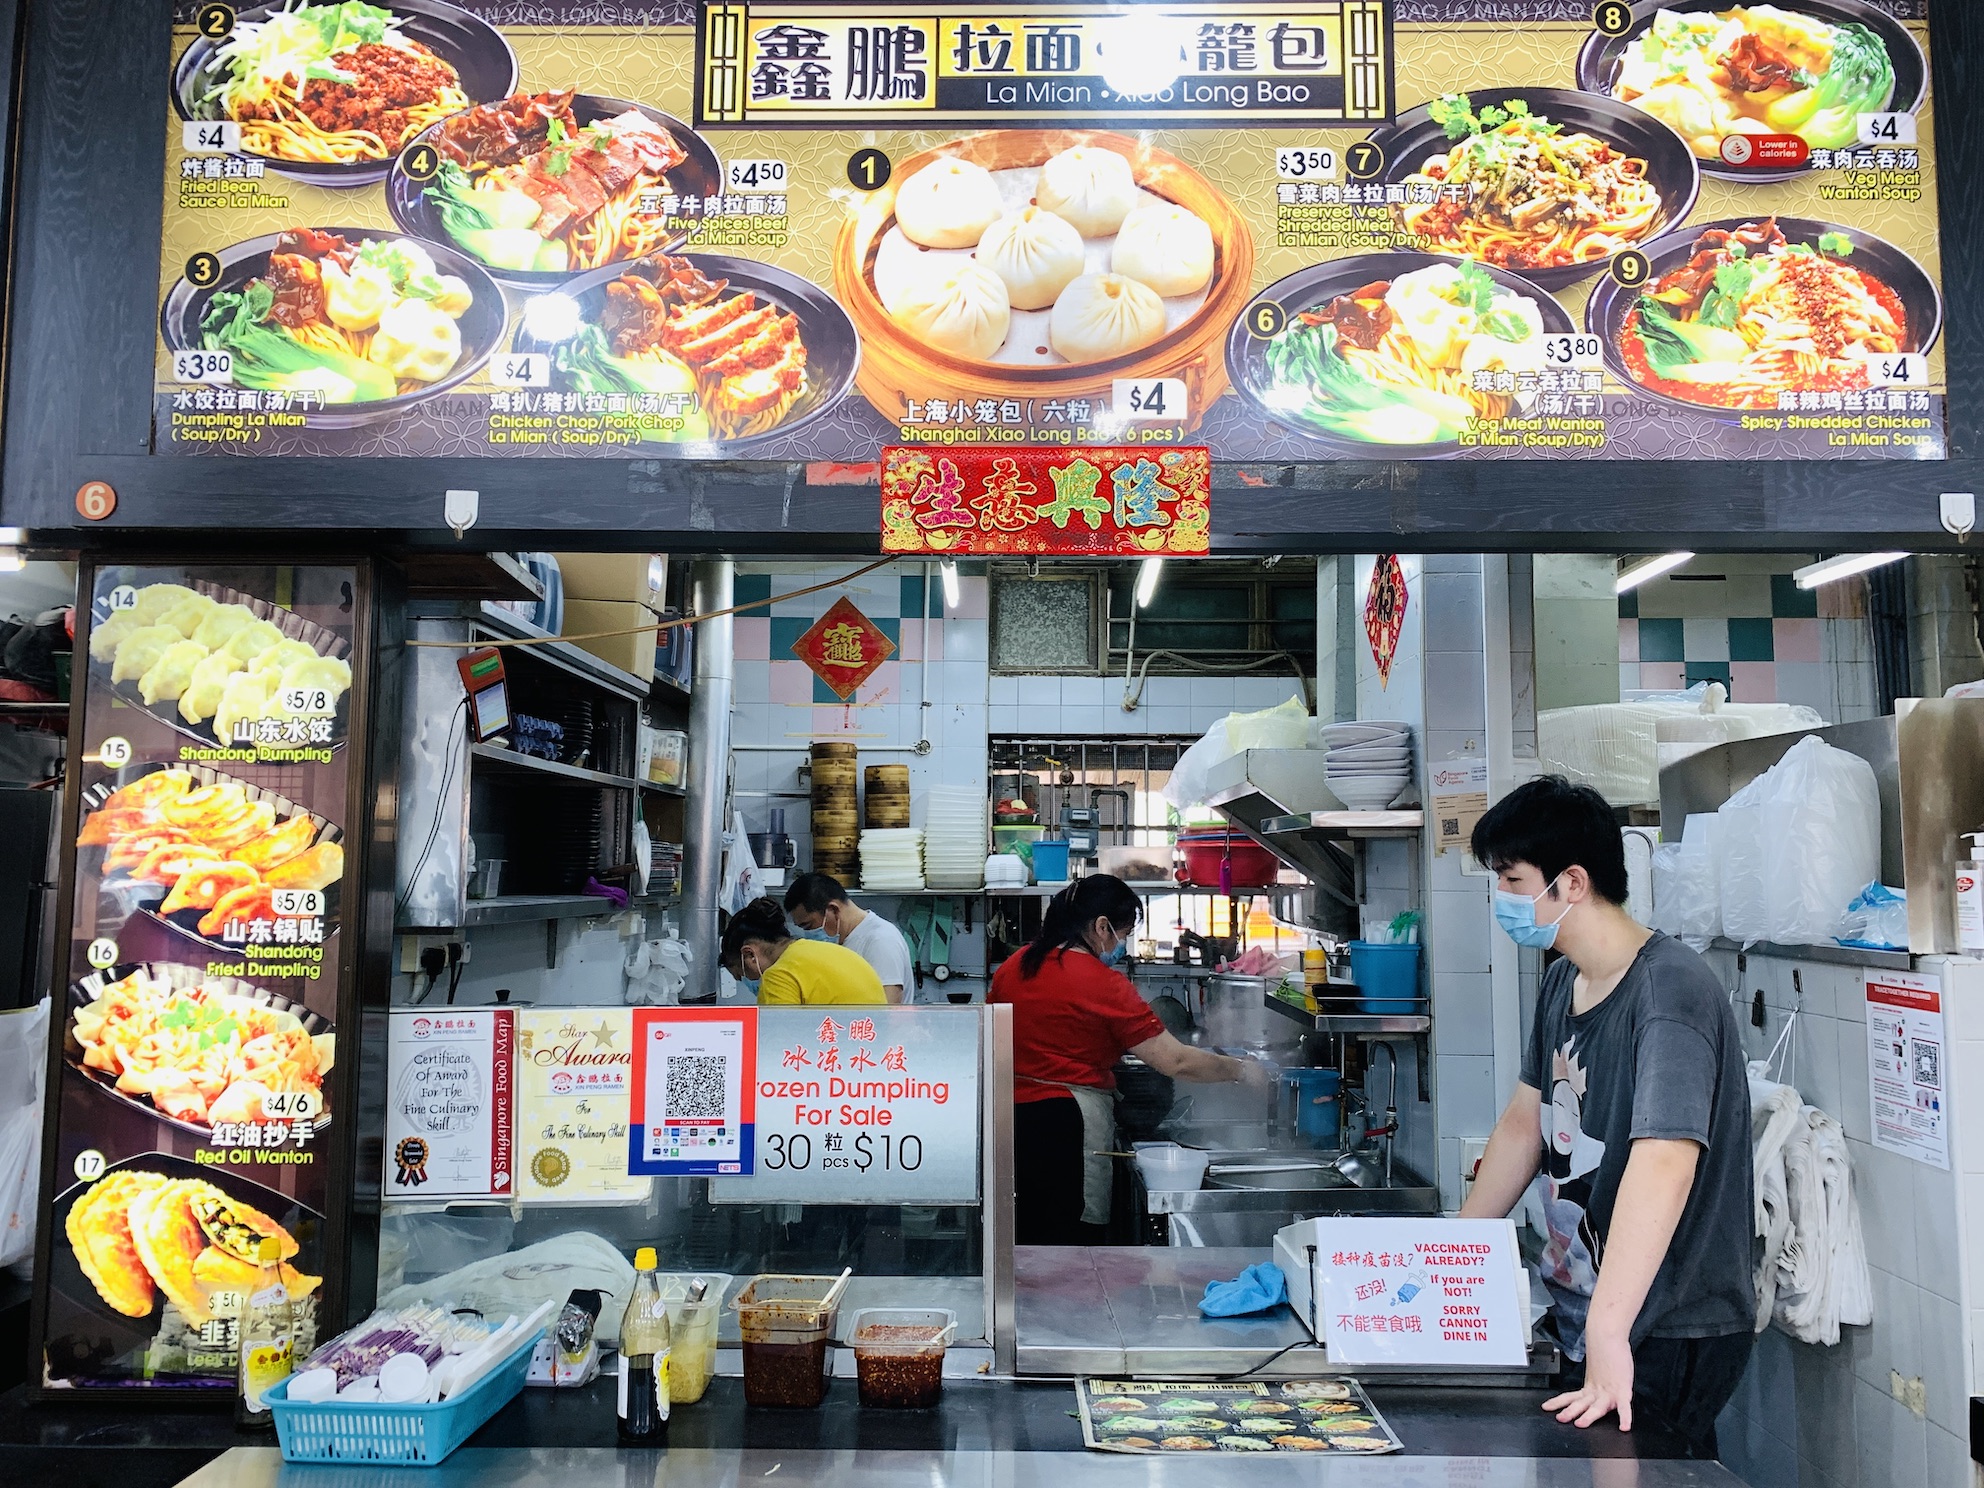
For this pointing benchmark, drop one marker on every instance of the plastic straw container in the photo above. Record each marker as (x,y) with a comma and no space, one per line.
(786,1325)
(1386,975)
(899,1354)
(1169,1168)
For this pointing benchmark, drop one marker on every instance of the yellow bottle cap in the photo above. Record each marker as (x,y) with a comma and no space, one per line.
(644,1258)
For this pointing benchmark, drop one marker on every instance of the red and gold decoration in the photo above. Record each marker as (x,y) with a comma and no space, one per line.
(844,647)
(1117,501)
(1384,613)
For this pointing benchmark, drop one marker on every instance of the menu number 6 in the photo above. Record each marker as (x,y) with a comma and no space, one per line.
(1266,320)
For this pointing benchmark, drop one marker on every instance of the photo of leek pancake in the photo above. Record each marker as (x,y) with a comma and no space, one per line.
(330,92)
(1306,1392)
(348,325)
(1393,354)
(1545,182)
(540,187)
(1738,312)
(701,350)
(1712,70)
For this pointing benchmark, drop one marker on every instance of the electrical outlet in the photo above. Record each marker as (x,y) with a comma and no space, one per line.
(1472,1150)
(412,945)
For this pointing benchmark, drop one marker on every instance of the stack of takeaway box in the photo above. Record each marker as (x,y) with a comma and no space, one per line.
(615,592)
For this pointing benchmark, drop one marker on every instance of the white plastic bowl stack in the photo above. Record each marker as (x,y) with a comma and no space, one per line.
(1368,764)
(954,837)
(892,860)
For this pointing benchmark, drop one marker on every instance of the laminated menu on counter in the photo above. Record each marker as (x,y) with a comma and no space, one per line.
(573,1070)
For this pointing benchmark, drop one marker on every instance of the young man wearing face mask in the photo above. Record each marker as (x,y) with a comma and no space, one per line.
(818,903)
(1634,1111)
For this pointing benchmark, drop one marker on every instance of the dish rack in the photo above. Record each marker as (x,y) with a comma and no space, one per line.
(419,1435)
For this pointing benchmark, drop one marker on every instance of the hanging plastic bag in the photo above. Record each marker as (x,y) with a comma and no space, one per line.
(1821,818)
(1284,726)
(1876,919)
(1742,865)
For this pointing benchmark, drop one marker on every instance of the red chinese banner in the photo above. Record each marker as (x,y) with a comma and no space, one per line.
(844,647)
(1126,501)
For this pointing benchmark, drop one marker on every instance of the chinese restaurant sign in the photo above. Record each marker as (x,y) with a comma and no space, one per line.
(1283,230)
(843,647)
(1078,501)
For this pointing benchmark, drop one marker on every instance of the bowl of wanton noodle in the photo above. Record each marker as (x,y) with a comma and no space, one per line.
(201,1051)
(151,1227)
(210,853)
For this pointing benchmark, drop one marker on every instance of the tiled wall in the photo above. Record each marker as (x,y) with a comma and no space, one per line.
(1167,706)
(1812,1417)
(1755,631)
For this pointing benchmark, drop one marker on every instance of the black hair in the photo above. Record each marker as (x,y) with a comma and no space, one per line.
(760,920)
(1553,825)
(813,892)
(1070,913)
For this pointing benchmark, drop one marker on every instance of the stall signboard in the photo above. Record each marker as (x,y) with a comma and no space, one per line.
(1905,1066)
(860,1105)
(192,1089)
(1303,231)
(1126,501)
(574,1068)
(692,1108)
(450,1113)
(1422,1291)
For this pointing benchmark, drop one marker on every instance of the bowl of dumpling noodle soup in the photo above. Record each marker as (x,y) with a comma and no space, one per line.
(1042,264)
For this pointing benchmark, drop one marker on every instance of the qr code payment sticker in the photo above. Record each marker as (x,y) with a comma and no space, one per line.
(696,1084)
(1927,1058)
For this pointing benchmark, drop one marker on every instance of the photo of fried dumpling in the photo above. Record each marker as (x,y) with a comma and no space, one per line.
(169,1240)
(318,868)
(279,844)
(218,1271)
(155,599)
(150,791)
(99,1231)
(171,673)
(138,651)
(204,885)
(238,1229)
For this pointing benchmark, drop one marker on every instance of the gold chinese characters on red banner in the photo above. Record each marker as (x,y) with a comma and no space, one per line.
(1098,501)
(844,647)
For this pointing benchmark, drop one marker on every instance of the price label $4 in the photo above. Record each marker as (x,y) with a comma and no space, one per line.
(521,369)
(1149,398)
(1898,370)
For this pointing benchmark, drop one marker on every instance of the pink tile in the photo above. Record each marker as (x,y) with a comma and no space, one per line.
(1753,681)
(792,682)
(751,640)
(974,598)
(1629,641)
(1797,640)
(1654,676)
(912,640)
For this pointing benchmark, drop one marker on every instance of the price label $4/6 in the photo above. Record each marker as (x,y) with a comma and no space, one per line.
(196,364)
(1149,398)
(1573,353)
(521,369)
(1898,370)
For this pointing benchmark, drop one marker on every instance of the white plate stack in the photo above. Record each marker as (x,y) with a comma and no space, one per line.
(892,861)
(954,837)
(1368,764)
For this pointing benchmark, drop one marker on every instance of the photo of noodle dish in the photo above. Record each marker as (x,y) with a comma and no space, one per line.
(696,350)
(1739,314)
(1548,183)
(542,186)
(1395,352)
(330,91)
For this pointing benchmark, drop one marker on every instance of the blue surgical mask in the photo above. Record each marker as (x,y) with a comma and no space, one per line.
(1117,956)
(1516,914)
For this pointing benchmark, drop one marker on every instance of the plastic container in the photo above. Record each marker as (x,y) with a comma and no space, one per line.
(1050,862)
(406,1435)
(1387,975)
(899,1354)
(1206,853)
(786,1326)
(692,1333)
(1318,1098)
(670,758)
(1168,1168)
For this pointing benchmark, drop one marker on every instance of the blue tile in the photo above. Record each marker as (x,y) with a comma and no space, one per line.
(1751,640)
(1661,640)
(912,595)
(1707,671)
(749,588)
(891,627)
(825,694)
(786,631)
(1629,605)
(1789,602)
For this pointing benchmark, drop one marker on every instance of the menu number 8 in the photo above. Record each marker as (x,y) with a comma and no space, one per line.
(1612,18)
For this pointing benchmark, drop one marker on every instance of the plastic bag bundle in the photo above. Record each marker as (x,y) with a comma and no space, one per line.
(1877,919)
(1687,889)
(1822,822)
(1743,866)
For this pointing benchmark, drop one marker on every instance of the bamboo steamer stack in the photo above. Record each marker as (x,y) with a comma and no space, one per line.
(886,804)
(836,813)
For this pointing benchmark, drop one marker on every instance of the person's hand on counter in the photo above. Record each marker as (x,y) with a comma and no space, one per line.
(1168,1056)
(1513,1158)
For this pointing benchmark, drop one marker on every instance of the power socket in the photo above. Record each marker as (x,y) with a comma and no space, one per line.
(411,947)
(1472,1150)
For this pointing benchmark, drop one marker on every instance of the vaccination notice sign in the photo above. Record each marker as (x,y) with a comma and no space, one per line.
(1905,1069)
(865,1105)
(1422,1291)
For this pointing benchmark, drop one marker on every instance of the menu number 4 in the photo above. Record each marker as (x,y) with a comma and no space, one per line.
(1148,398)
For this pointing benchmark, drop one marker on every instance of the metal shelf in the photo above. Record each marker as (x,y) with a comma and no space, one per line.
(528,909)
(1354,1023)
(1346,825)
(509,761)
(663,790)
(560,653)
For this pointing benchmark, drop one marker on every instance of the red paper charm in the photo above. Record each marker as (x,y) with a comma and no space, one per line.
(844,647)
(1384,613)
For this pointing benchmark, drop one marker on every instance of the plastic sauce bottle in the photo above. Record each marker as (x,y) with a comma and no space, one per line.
(1970,897)
(266,1336)
(644,1359)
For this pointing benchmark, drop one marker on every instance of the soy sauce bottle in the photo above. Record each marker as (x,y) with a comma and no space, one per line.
(643,1396)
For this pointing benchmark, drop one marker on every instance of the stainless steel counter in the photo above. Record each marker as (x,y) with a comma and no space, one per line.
(1135,1312)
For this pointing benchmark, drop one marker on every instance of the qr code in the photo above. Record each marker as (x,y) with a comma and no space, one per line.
(1928,1063)
(695,1087)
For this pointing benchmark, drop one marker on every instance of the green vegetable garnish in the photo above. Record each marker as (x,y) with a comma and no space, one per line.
(1672,343)
(1838,244)
(1725,301)
(1316,386)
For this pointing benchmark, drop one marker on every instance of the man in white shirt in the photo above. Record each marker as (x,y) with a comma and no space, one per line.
(818,902)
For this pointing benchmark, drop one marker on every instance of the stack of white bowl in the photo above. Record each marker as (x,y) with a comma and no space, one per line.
(954,837)
(1368,764)
(892,860)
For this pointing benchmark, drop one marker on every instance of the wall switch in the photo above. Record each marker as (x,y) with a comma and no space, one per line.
(1472,1150)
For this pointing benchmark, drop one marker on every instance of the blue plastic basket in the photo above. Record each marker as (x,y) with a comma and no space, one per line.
(407,1435)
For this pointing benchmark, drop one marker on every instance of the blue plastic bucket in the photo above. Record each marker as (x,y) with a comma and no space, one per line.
(1050,862)
(1386,975)
(1318,1105)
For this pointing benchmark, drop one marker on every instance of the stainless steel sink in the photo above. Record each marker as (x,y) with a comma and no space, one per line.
(1285,1179)
(1288,1184)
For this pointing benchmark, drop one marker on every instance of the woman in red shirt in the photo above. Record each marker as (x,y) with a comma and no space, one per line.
(1074,1017)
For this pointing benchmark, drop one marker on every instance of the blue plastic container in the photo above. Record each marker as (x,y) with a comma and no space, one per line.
(1318,1097)
(405,1435)
(1050,862)
(1386,975)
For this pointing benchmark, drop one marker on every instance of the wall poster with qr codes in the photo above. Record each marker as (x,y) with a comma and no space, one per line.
(692,1108)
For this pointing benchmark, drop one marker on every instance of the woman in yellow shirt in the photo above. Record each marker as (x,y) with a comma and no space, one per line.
(759,949)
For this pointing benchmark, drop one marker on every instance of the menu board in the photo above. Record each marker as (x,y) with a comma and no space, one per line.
(1314,230)
(192,1106)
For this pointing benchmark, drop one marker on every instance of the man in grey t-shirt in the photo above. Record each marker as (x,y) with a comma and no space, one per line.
(1633,1113)
(817,903)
